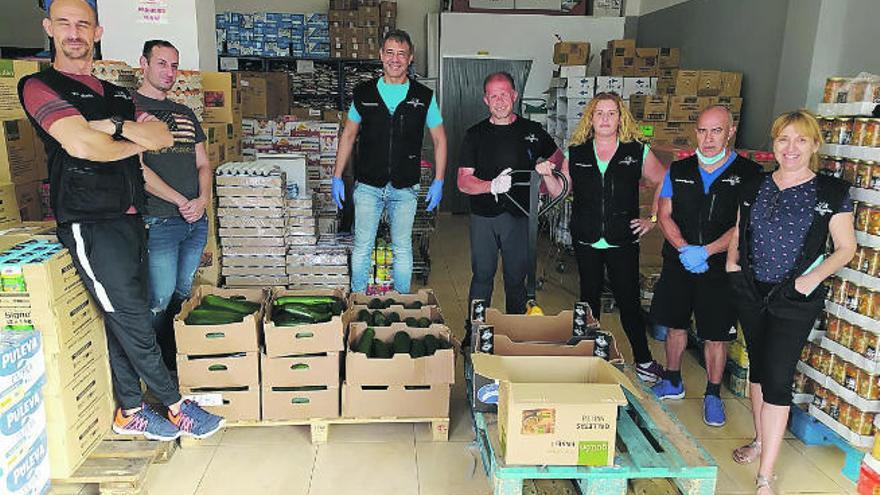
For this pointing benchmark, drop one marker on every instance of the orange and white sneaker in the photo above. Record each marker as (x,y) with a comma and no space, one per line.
(193,421)
(147,423)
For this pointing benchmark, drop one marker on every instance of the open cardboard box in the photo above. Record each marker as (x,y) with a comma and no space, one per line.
(401,369)
(556,410)
(430,312)
(525,335)
(224,370)
(306,338)
(243,336)
(424,296)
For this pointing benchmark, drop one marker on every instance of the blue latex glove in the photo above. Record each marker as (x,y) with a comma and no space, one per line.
(337,191)
(435,193)
(694,258)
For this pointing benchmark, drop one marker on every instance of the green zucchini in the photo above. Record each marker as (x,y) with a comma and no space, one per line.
(411,322)
(243,307)
(379,319)
(424,322)
(387,303)
(418,348)
(305,300)
(364,315)
(212,317)
(365,344)
(392,317)
(402,342)
(413,305)
(375,303)
(430,344)
(380,350)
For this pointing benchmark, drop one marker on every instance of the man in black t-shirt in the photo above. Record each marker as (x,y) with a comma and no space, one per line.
(491,150)
(178,183)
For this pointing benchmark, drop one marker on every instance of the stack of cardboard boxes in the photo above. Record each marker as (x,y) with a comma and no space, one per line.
(317,266)
(264,94)
(24,459)
(251,211)
(218,366)
(42,291)
(267,34)
(317,36)
(357,27)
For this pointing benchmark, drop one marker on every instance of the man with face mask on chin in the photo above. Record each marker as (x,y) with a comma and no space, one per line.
(491,150)
(697,214)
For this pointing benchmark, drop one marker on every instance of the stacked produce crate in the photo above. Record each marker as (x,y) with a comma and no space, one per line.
(42,291)
(840,368)
(400,358)
(24,459)
(252,218)
(301,367)
(357,27)
(218,344)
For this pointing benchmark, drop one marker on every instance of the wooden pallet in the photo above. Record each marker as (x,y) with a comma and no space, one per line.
(651,444)
(320,427)
(118,466)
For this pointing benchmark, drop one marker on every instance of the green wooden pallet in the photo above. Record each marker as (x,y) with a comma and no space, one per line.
(651,443)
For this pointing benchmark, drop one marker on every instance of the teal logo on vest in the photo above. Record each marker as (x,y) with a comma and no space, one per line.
(7,69)
(823,208)
(415,102)
(628,161)
(531,138)
(732,180)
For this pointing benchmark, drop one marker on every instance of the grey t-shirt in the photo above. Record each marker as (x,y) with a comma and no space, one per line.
(175,165)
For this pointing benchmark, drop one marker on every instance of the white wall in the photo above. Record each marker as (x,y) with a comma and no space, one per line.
(524,37)
(411,17)
(648,6)
(124,36)
(20,24)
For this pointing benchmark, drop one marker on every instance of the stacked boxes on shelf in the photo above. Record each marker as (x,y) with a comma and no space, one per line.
(41,290)
(317,36)
(24,459)
(400,363)
(266,34)
(251,211)
(218,365)
(357,28)
(301,366)
(317,266)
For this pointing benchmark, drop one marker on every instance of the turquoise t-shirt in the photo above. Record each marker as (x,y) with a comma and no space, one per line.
(392,95)
(603,166)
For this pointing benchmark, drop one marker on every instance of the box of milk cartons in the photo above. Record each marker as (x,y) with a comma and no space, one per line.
(24,460)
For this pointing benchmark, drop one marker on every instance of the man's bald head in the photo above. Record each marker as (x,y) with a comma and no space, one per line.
(714,129)
(713,111)
(73,27)
(91,5)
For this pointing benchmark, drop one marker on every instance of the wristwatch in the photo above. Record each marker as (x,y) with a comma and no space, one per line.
(654,218)
(118,122)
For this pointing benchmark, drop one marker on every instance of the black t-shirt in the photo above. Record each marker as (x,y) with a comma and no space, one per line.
(490,148)
(176,165)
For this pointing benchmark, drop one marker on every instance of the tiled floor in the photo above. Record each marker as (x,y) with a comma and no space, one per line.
(400,459)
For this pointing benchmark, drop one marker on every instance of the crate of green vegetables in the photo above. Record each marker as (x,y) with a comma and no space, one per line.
(305,321)
(399,355)
(220,321)
(395,300)
(416,318)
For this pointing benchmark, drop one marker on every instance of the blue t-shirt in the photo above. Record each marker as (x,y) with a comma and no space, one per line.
(780,220)
(708,178)
(392,95)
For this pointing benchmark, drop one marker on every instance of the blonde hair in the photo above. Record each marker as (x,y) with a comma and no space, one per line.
(803,122)
(627,130)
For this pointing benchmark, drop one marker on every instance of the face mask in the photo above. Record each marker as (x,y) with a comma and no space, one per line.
(710,160)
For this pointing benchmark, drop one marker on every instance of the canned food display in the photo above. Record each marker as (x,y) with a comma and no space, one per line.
(859,340)
(872,343)
(875,308)
(824,361)
(859,126)
(845,334)
(832,330)
(874,221)
(864,177)
(856,262)
(853,295)
(871,262)
(806,351)
(861,422)
(866,302)
(820,398)
(833,406)
(851,376)
(843,129)
(850,168)
(856,90)
(843,408)
(871,132)
(826,125)
(863,216)
(868,386)
(838,369)
(838,290)
(833,86)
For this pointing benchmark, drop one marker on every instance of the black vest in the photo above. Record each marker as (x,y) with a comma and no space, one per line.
(604,206)
(703,218)
(389,147)
(830,194)
(82,190)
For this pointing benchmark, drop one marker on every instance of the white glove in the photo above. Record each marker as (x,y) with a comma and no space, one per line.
(501,184)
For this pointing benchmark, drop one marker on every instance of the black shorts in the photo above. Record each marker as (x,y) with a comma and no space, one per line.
(680,293)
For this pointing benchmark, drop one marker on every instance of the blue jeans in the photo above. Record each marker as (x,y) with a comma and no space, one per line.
(369,202)
(175,250)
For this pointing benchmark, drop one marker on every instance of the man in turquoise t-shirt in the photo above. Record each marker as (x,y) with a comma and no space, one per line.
(385,130)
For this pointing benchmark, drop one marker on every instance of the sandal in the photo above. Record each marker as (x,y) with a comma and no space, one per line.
(742,456)
(765,482)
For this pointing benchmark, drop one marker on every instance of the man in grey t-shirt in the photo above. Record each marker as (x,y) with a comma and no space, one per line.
(178,183)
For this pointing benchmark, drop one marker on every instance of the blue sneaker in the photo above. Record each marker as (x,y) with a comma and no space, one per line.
(145,422)
(713,411)
(666,390)
(193,421)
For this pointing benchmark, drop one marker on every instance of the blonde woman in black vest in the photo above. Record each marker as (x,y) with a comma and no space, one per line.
(605,163)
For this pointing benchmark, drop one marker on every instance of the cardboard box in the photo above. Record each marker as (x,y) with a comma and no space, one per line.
(222,370)
(218,339)
(669,58)
(686,82)
(734,104)
(430,312)
(50,279)
(425,401)
(9,213)
(622,48)
(70,443)
(388,10)
(234,404)
(731,84)
(309,369)
(649,108)
(678,134)
(583,87)
(571,53)
(11,71)
(85,356)
(647,62)
(686,108)
(556,410)
(30,203)
(222,96)
(302,402)
(573,71)
(709,83)
(424,296)
(305,339)
(518,335)
(636,86)
(609,84)
(60,322)
(17,152)
(401,369)
(254,97)
(621,66)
